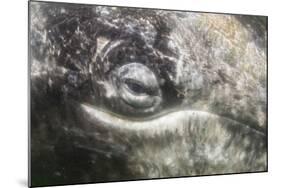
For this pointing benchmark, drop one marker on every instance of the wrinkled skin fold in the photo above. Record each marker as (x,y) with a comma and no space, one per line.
(190,139)
(124,93)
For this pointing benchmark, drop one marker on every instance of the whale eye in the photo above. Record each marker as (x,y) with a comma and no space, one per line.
(135,86)
(138,87)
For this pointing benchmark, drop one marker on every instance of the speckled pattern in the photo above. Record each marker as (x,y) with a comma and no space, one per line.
(126,93)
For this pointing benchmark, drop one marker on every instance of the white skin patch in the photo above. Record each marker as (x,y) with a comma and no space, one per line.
(101,42)
(109,89)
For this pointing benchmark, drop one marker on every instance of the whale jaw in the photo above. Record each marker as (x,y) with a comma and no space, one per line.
(183,143)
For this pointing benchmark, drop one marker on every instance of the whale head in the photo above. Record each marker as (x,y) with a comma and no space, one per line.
(123,93)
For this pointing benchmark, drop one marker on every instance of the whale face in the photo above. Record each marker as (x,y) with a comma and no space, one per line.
(125,93)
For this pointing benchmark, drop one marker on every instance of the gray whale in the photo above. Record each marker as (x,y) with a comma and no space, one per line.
(124,93)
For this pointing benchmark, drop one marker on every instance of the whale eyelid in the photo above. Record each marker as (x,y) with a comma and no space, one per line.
(148,89)
(131,83)
(139,74)
(137,86)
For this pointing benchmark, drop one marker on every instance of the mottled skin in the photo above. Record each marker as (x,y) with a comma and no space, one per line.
(210,74)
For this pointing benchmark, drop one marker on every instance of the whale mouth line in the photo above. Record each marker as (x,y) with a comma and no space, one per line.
(169,119)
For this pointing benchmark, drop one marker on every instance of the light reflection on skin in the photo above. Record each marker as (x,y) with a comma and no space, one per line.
(169,120)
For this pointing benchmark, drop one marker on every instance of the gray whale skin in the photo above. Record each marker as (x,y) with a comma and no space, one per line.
(124,93)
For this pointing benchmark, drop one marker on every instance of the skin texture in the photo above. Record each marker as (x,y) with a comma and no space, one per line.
(122,93)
